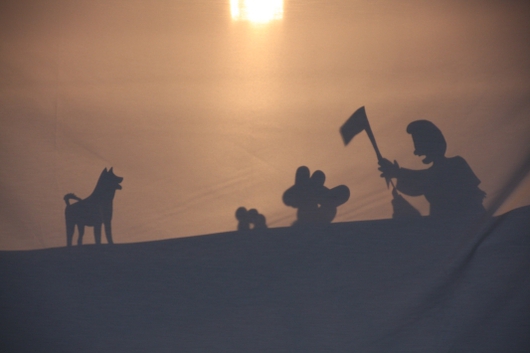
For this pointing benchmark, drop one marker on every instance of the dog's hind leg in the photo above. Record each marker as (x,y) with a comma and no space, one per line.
(81,229)
(108,232)
(97,233)
(70,228)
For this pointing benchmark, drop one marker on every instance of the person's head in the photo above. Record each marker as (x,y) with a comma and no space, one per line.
(252,214)
(428,140)
(241,214)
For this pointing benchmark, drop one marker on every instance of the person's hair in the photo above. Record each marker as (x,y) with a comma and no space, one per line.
(429,135)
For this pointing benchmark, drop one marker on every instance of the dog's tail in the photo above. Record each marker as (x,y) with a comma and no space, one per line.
(67,198)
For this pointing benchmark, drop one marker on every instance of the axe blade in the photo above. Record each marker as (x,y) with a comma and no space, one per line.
(356,123)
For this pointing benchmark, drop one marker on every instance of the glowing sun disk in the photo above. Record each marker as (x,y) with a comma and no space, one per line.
(258,11)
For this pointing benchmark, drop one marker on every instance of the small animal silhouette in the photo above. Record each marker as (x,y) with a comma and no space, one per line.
(248,218)
(316,203)
(94,211)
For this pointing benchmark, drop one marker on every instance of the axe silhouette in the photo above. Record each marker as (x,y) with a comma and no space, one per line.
(357,123)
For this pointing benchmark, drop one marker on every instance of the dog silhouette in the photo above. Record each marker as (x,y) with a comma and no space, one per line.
(94,211)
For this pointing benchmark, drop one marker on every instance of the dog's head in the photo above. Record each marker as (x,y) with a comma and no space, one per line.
(110,180)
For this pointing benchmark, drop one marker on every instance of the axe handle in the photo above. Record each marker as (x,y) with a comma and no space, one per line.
(377,152)
(372,139)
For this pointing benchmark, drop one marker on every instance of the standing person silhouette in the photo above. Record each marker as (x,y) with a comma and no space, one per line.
(449,184)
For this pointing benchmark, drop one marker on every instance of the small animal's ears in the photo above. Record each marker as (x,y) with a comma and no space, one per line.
(105,170)
(110,170)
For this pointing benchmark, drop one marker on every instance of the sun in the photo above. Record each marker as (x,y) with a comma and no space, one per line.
(256,11)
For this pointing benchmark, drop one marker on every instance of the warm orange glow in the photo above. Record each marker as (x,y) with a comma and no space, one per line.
(257,11)
(203,113)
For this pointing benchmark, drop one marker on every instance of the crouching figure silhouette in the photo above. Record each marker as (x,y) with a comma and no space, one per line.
(316,203)
(94,211)
(250,219)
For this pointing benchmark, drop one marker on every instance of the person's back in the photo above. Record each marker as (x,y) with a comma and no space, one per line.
(452,189)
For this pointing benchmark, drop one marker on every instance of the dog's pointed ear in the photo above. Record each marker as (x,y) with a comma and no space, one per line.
(110,170)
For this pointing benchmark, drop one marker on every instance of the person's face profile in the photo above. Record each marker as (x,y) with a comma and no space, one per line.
(421,148)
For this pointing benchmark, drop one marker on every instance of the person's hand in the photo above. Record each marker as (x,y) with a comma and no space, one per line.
(388,169)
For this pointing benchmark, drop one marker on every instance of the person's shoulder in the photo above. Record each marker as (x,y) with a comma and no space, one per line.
(459,164)
(457,160)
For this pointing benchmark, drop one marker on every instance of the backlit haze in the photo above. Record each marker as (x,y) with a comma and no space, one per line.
(206,106)
(256,11)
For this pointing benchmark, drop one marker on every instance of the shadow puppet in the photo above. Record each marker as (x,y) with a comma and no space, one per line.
(316,203)
(250,219)
(449,185)
(94,211)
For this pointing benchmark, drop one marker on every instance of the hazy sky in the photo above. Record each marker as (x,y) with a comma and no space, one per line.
(202,114)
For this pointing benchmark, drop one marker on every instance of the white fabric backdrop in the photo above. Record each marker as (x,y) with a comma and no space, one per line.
(201,114)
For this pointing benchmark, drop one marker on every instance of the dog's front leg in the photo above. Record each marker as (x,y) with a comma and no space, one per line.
(70,229)
(108,232)
(81,229)
(97,233)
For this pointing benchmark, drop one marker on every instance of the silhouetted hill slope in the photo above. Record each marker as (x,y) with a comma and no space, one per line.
(375,286)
